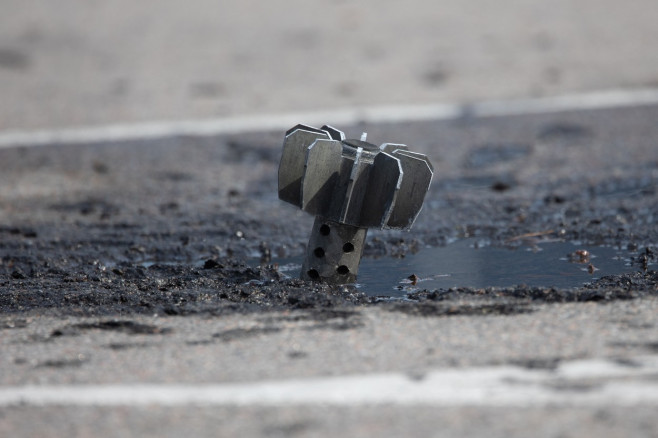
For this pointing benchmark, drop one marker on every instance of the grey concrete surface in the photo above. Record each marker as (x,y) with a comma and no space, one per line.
(74,63)
(381,421)
(383,341)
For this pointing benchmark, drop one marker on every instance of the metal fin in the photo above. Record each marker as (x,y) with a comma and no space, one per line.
(293,158)
(334,133)
(416,182)
(390,147)
(321,175)
(415,155)
(383,186)
(303,127)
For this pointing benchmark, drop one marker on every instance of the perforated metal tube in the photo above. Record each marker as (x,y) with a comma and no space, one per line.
(334,251)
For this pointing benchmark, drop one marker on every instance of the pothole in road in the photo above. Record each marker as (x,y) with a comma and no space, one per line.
(468,263)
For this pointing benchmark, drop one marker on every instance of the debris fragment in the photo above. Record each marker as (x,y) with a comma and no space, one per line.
(579,256)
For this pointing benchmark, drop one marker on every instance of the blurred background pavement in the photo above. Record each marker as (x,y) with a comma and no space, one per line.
(74,63)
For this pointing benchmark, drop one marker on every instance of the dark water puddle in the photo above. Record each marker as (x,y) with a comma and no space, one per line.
(466,263)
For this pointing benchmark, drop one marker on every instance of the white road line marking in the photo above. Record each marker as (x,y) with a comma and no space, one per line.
(580,383)
(378,114)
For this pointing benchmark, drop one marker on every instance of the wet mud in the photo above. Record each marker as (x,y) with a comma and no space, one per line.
(168,226)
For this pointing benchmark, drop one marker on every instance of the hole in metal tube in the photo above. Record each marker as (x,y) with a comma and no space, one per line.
(325,230)
(319,252)
(343,270)
(348,247)
(313,274)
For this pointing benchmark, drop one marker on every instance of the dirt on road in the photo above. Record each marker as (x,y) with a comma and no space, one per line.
(173,226)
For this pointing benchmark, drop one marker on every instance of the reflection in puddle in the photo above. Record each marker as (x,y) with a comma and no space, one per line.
(462,264)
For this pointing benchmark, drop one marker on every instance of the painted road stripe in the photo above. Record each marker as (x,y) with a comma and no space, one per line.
(579,383)
(340,117)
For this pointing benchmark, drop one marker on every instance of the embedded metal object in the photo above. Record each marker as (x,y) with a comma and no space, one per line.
(350,186)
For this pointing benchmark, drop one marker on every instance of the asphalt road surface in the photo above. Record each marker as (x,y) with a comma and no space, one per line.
(133,303)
